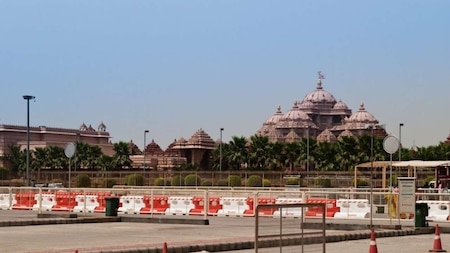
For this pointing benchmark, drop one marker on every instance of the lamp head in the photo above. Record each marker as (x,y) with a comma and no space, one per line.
(28,97)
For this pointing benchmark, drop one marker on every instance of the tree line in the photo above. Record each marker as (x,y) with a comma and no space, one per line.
(241,153)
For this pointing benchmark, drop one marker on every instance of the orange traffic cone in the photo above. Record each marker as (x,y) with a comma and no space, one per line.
(437,246)
(373,243)
(164,250)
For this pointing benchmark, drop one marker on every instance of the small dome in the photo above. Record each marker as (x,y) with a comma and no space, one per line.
(320,96)
(306,105)
(326,136)
(275,117)
(83,127)
(295,114)
(340,106)
(345,133)
(102,127)
(362,116)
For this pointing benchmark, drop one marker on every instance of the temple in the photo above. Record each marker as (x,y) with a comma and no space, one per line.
(319,115)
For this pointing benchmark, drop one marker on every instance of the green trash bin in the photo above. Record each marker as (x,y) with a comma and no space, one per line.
(421,214)
(112,204)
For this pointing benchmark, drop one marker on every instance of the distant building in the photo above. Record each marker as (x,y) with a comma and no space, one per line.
(42,136)
(321,116)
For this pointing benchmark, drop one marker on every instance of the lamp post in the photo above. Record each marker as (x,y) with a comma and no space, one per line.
(307,153)
(145,135)
(220,151)
(371,176)
(400,141)
(27,98)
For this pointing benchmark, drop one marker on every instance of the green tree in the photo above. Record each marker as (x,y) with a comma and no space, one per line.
(15,160)
(237,152)
(122,155)
(292,152)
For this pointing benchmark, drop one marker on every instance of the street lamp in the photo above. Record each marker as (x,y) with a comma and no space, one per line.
(307,153)
(220,151)
(145,135)
(27,98)
(400,141)
(371,176)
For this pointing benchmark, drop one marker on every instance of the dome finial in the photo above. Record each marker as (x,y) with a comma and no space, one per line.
(278,108)
(320,78)
(361,106)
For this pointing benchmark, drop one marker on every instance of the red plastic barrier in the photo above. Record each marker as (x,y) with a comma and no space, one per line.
(261,201)
(214,205)
(199,203)
(331,207)
(160,204)
(62,201)
(25,201)
(102,201)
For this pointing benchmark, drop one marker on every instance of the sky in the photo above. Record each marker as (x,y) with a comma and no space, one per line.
(174,67)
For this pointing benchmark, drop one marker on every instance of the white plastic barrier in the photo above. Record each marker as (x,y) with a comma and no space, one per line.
(87,204)
(289,212)
(180,205)
(5,201)
(353,208)
(47,201)
(131,204)
(437,210)
(233,206)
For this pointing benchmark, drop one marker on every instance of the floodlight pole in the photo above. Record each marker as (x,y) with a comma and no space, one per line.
(28,97)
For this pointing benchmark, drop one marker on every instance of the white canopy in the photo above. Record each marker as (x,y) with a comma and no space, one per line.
(421,164)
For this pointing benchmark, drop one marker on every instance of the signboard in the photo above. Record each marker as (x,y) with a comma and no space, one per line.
(407,195)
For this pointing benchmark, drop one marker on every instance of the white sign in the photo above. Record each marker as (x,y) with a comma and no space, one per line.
(69,151)
(407,195)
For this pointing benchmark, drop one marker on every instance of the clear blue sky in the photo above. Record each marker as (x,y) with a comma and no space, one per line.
(173,67)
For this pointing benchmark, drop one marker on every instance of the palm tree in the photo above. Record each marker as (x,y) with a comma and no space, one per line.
(56,157)
(259,151)
(276,156)
(326,156)
(236,152)
(16,160)
(122,155)
(40,160)
(347,155)
(292,152)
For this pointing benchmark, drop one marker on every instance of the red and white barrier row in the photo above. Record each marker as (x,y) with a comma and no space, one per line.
(195,205)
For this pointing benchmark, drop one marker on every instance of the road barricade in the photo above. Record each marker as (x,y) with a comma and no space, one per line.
(24,201)
(438,210)
(86,203)
(213,205)
(289,212)
(44,201)
(131,204)
(199,205)
(157,205)
(330,204)
(102,202)
(233,206)
(7,201)
(262,211)
(64,200)
(353,208)
(180,205)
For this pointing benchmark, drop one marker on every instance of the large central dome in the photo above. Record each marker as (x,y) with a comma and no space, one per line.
(320,96)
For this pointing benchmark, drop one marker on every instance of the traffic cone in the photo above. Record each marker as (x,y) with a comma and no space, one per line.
(437,246)
(373,243)
(164,250)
